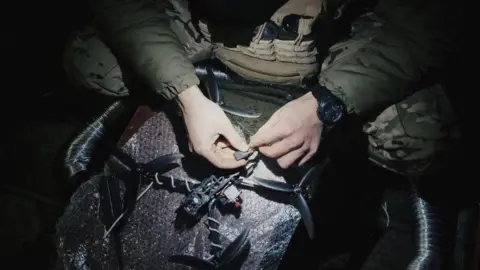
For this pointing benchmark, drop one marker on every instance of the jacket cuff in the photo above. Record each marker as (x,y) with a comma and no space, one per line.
(172,89)
(338,92)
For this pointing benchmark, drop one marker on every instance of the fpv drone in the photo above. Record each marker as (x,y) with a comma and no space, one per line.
(201,197)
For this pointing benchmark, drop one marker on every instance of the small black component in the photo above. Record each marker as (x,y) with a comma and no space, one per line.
(239,155)
(210,188)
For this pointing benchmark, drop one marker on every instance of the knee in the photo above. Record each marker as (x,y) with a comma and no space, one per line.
(90,65)
(414,136)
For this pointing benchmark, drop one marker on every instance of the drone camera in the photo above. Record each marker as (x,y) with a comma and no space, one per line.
(194,202)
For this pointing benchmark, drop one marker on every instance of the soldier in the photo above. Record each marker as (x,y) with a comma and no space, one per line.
(380,72)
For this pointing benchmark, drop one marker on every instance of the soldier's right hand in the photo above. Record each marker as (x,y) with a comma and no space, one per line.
(210,132)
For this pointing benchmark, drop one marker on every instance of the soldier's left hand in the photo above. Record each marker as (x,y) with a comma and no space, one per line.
(292,133)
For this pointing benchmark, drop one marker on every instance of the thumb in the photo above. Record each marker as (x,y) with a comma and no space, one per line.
(259,138)
(234,139)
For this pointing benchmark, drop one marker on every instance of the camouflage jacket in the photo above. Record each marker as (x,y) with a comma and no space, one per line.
(386,67)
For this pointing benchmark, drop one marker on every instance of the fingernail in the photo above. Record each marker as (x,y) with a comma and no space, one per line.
(245,148)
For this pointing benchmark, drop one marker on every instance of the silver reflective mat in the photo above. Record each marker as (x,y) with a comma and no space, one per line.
(153,232)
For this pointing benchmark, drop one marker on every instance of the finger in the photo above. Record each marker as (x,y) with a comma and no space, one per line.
(222,143)
(227,157)
(287,160)
(226,153)
(262,133)
(280,148)
(269,137)
(222,161)
(313,150)
(306,158)
(225,150)
(234,139)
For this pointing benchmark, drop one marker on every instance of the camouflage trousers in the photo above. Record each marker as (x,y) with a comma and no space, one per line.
(411,137)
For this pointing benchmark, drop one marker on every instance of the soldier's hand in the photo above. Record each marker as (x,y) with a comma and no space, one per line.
(292,133)
(210,132)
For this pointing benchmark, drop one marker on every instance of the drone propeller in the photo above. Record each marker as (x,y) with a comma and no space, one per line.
(214,95)
(161,162)
(298,190)
(157,165)
(229,254)
(133,178)
(235,248)
(273,185)
(137,171)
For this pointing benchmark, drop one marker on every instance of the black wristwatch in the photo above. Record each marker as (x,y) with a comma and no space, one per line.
(330,108)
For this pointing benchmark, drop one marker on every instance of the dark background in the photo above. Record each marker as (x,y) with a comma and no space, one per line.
(41,111)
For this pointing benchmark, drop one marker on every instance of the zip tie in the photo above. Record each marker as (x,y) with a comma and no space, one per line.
(187,185)
(387,215)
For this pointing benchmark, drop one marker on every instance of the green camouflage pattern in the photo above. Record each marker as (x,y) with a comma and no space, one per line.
(413,135)
(369,71)
(91,65)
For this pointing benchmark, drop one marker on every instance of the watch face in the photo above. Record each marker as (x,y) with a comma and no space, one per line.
(336,113)
(331,112)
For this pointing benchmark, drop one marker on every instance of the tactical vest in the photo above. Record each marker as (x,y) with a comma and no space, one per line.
(282,50)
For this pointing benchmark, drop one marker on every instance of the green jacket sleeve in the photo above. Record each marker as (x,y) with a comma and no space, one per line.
(138,32)
(389,53)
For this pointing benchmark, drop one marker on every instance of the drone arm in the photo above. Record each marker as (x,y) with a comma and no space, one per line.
(174,183)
